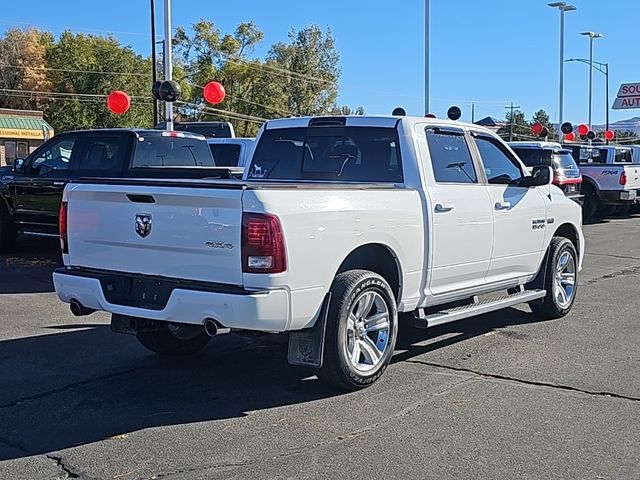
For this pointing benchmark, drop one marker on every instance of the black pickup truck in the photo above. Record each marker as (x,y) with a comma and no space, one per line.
(31,190)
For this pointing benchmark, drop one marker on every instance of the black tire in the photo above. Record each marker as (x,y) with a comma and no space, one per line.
(590,203)
(634,209)
(347,290)
(164,342)
(550,307)
(8,231)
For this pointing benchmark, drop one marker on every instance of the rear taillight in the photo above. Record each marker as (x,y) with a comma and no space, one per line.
(263,249)
(62,225)
(623,178)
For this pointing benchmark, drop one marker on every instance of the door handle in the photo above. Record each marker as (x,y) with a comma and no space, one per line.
(502,205)
(444,207)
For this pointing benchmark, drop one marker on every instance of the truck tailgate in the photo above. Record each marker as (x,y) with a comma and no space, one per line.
(179,232)
(633,177)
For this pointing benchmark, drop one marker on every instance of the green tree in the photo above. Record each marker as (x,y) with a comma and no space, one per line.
(543,117)
(99,66)
(626,137)
(521,128)
(346,110)
(22,62)
(312,60)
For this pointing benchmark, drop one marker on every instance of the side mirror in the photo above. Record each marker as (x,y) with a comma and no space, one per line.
(540,175)
(19,166)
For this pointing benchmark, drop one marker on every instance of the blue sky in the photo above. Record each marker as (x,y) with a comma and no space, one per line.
(488,52)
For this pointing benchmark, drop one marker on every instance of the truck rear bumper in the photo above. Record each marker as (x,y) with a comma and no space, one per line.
(617,197)
(266,311)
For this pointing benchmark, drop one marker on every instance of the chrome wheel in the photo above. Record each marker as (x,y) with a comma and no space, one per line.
(564,285)
(367,331)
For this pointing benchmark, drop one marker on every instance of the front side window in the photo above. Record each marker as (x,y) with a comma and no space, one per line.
(499,166)
(342,154)
(55,156)
(450,156)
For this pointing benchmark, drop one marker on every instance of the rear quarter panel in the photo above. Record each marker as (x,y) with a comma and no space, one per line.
(323,226)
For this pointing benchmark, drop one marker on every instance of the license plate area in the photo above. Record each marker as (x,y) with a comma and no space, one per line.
(140,292)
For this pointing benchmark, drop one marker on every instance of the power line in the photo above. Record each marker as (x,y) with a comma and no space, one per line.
(21,67)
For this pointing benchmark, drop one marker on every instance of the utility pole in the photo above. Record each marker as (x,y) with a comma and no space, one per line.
(473,113)
(168,68)
(512,108)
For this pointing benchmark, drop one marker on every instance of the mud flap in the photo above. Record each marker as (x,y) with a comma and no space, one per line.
(306,347)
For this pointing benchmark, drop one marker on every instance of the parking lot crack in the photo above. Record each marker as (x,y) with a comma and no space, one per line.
(64,468)
(533,383)
(619,273)
(613,255)
(68,387)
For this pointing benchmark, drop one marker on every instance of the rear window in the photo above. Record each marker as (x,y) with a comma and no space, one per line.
(533,156)
(343,154)
(623,156)
(160,151)
(225,155)
(103,154)
(564,161)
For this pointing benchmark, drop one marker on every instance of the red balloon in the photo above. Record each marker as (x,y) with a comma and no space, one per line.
(537,128)
(609,134)
(118,102)
(429,115)
(583,129)
(570,137)
(213,92)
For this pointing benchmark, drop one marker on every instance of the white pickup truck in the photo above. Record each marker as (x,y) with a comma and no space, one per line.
(610,179)
(339,225)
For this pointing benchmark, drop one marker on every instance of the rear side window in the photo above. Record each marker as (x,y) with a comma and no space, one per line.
(103,154)
(225,154)
(450,156)
(532,157)
(343,154)
(161,151)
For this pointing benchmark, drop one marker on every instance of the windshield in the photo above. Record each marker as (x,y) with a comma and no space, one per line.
(161,151)
(564,161)
(533,156)
(350,154)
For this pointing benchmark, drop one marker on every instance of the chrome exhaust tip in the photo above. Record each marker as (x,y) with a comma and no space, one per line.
(79,310)
(212,328)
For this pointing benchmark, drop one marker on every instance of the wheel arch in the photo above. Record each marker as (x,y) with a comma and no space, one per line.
(569,231)
(378,258)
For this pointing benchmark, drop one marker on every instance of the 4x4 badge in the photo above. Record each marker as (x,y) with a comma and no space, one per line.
(143,224)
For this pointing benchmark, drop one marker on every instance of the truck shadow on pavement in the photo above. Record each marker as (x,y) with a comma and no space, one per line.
(81,384)
(29,268)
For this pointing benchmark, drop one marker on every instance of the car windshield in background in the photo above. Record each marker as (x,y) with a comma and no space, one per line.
(225,154)
(532,157)
(564,161)
(161,151)
(347,154)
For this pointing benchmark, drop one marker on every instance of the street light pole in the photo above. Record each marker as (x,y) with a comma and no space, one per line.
(426,57)
(604,69)
(562,7)
(168,68)
(591,36)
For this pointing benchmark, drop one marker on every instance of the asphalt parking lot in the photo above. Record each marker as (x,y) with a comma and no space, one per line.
(501,396)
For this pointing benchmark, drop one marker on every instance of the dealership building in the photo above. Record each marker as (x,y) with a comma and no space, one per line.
(21,132)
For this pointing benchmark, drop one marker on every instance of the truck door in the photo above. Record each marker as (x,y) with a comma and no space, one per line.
(38,192)
(519,213)
(460,210)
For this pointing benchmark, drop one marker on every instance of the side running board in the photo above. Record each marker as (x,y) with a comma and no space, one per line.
(423,320)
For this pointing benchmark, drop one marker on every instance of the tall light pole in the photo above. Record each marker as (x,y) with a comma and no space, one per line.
(426,57)
(604,69)
(168,68)
(563,7)
(154,59)
(591,36)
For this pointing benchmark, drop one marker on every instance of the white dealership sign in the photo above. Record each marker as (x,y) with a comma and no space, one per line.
(628,96)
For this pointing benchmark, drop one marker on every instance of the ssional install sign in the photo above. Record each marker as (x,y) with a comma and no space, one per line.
(628,96)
